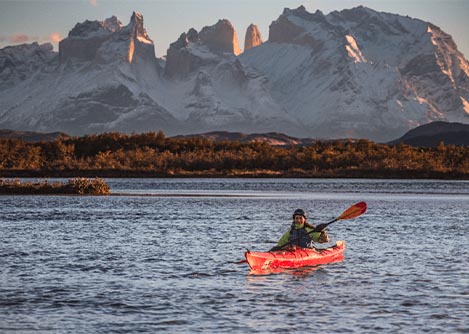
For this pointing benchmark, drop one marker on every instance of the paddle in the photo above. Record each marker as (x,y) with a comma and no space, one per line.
(352,212)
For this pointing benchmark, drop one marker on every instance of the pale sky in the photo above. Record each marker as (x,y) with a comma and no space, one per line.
(26,21)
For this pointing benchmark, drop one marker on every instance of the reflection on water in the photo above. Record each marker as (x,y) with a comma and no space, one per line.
(135,263)
(301,271)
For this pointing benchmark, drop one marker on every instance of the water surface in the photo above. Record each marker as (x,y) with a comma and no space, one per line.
(159,257)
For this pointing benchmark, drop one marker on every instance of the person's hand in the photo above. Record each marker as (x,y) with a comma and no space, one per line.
(323,237)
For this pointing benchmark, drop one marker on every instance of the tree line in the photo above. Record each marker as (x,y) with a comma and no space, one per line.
(153,154)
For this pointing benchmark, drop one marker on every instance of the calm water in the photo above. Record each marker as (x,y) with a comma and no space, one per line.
(159,257)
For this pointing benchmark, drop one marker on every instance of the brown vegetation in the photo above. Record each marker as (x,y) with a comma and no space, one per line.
(153,155)
(77,186)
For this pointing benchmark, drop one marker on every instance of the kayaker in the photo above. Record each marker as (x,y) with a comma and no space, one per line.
(300,233)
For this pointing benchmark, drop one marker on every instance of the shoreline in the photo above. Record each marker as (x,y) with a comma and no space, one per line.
(341,174)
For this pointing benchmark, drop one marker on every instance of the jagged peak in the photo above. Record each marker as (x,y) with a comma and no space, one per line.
(136,18)
(220,37)
(93,28)
(112,24)
(302,12)
(185,38)
(253,37)
(25,47)
(192,35)
(137,30)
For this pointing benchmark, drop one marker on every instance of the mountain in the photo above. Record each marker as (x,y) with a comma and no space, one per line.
(361,73)
(99,81)
(31,136)
(432,134)
(354,73)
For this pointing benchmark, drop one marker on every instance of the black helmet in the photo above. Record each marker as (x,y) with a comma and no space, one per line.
(299,212)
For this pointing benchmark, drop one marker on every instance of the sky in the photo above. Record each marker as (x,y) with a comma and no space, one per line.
(42,21)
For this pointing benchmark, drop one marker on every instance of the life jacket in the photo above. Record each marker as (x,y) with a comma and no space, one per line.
(299,237)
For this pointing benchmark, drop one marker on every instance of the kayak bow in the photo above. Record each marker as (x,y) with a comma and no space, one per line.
(294,257)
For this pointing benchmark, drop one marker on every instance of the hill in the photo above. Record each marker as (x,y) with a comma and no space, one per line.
(431,135)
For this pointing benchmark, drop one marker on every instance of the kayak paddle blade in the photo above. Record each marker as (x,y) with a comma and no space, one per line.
(354,211)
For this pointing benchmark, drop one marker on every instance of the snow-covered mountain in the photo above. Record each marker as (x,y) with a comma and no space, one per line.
(354,73)
(362,73)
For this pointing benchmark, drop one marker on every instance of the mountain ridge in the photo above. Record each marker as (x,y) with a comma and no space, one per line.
(354,73)
(428,135)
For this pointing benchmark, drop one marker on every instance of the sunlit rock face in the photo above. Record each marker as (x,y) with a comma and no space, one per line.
(253,37)
(140,44)
(220,38)
(193,50)
(108,41)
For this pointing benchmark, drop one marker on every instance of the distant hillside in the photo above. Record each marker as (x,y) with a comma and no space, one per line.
(430,135)
(272,138)
(31,136)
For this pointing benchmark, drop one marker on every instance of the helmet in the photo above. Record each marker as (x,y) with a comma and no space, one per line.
(299,212)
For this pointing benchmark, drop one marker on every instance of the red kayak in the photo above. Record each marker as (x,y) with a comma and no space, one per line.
(295,257)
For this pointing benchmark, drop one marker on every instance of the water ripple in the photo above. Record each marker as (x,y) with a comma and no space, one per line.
(150,264)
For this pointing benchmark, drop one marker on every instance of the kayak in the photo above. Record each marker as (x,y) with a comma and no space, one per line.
(295,257)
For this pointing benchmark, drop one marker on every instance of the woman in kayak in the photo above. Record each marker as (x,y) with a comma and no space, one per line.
(301,233)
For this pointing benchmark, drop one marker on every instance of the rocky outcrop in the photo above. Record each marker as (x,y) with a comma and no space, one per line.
(220,38)
(140,45)
(179,60)
(108,41)
(193,50)
(287,30)
(86,38)
(253,37)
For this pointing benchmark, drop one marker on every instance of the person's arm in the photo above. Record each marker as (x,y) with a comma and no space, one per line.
(320,237)
(284,239)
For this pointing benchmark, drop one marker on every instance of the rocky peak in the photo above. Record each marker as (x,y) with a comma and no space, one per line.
(192,35)
(140,46)
(108,41)
(253,37)
(112,24)
(297,26)
(85,38)
(89,29)
(136,26)
(193,50)
(220,38)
